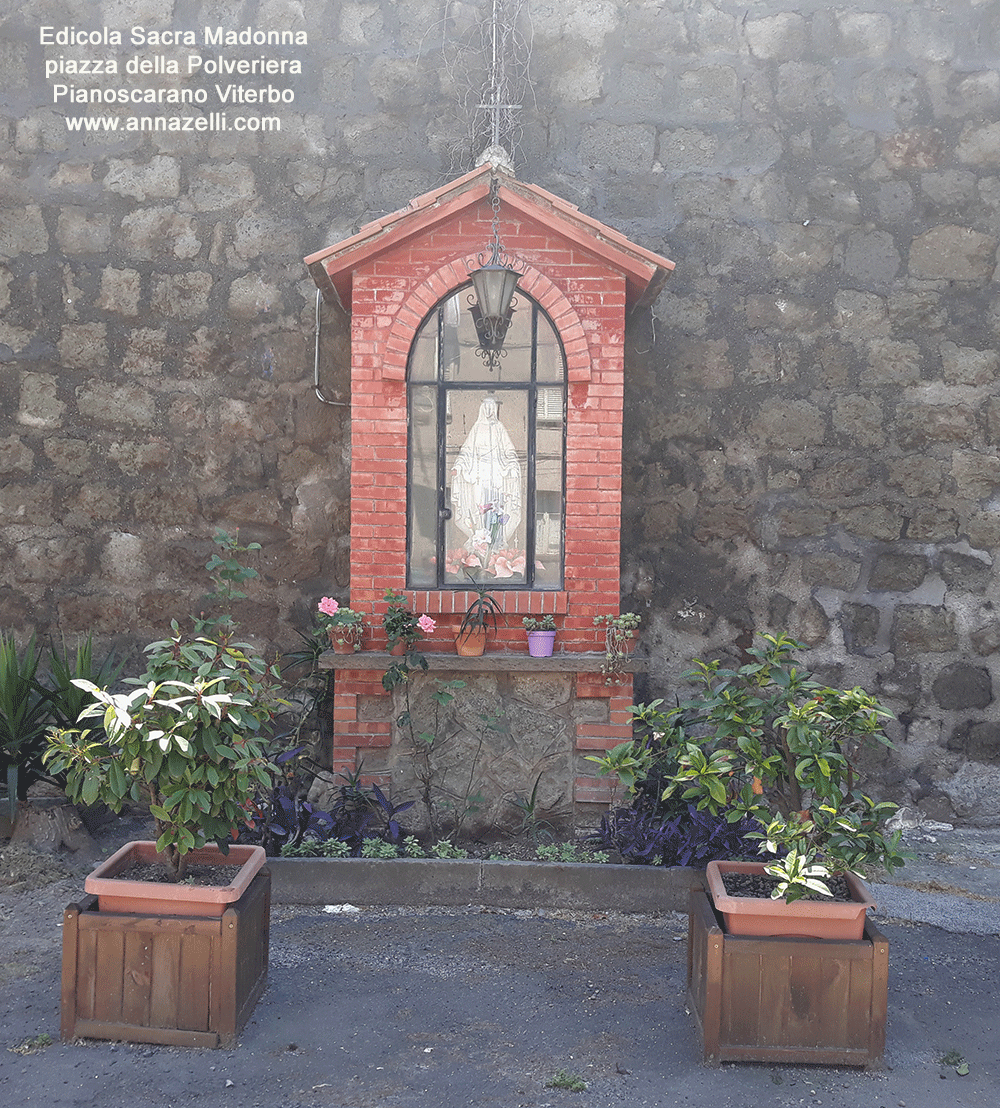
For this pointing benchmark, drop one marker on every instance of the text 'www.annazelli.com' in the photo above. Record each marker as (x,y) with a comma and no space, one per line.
(213,121)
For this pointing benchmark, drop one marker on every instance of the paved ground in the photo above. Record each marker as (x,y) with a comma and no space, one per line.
(394,1008)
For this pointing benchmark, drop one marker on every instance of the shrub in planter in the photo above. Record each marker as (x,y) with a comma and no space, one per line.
(187,741)
(767,742)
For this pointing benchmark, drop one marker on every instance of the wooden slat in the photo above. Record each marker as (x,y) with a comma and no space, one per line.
(126,1033)
(137,978)
(86,967)
(68,989)
(163,988)
(194,978)
(108,976)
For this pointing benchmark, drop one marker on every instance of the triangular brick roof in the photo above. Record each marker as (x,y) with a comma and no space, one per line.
(332,268)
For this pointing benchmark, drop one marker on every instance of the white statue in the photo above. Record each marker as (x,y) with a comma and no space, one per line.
(486,484)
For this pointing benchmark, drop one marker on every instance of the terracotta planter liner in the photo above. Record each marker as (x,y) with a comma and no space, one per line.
(812,919)
(119,894)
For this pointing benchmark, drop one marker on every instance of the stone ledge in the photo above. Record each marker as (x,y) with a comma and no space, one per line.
(505,661)
(423,881)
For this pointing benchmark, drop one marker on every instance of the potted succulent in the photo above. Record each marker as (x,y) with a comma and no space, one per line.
(480,617)
(541,635)
(619,632)
(187,741)
(402,628)
(344,626)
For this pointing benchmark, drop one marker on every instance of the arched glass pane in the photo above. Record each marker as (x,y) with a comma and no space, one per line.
(486,453)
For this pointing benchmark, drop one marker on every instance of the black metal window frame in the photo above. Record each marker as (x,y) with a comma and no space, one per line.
(443,387)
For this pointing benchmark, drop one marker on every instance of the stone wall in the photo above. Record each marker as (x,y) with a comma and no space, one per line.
(811,407)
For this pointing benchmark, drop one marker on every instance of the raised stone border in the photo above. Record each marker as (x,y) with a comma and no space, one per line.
(419,881)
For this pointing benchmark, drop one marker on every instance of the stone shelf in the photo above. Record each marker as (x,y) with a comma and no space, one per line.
(504,661)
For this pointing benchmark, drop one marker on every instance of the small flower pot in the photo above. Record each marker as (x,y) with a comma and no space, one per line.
(471,643)
(541,643)
(398,650)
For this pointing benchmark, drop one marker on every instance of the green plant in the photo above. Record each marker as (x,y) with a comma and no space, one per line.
(24,711)
(228,575)
(401,625)
(618,634)
(445,848)
(66,699)
(481,614)
(379,848)
(187,740)
(343,624)
(569,852)
(568,1081)
(543,623)
(629,762)
(768,742)
(532,825)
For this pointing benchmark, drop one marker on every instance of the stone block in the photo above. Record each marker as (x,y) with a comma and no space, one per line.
(962,571)
(40,405)
(80,231)
(702,365)
(832,571)
(118,405)
(882,522)
(809,623)
(986,639)
(920,628)
(918,311)
(804,89)
(15,456)
(157,179)
(26,505)
(833,199)
(862,34)
(844,478)
(151,233)
(983,530)
(965,365)
(933,524)
(181,295)
(788,424)
(952,253)
(217,185)
(70,456)
(681,151)
(860,418)
(892,362)
(895,201)
(871,257)
(146,351)
(916,475)
(916,148)
(979,144)
(923,425)
(22,231)
(977,474)
(979,741)
(897,572)
(861,625)
(121,290)
(962,687)
(902,682)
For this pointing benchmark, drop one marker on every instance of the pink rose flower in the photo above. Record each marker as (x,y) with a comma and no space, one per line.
(328,606)
(426,624)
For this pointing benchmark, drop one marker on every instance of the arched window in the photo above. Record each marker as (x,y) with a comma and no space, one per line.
(487,449)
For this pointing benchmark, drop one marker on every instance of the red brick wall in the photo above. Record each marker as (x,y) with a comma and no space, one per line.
(585,299)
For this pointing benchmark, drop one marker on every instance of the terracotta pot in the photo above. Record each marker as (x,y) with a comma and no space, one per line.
(813,919)
(541,643)
(472,642)
(398,650)
(120,894)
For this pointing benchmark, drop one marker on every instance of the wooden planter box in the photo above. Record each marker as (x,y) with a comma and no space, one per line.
(172,980)
(786,999)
